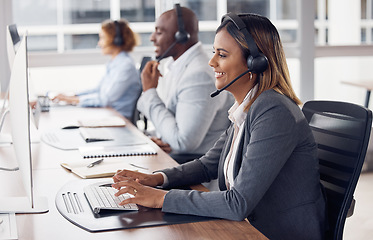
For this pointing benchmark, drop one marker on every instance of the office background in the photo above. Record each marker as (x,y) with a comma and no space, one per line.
(326,42)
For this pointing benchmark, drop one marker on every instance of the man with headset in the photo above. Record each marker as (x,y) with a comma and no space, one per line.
(186,119)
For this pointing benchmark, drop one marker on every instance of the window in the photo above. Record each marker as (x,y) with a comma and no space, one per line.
(64,25)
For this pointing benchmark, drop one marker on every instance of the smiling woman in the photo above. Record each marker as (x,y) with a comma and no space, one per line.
(227,66)
(266,155)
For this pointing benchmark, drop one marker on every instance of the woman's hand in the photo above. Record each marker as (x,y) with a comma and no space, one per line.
(74,100)
(142,178)
(143,195)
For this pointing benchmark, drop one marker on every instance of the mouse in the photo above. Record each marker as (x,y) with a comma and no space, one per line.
(70,127)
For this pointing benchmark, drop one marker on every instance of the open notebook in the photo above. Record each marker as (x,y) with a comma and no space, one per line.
(107,168)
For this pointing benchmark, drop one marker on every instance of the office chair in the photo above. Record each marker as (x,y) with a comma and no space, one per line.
(137,115)
(342,132)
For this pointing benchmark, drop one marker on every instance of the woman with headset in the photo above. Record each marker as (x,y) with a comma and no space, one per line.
(120,87)
(266,161)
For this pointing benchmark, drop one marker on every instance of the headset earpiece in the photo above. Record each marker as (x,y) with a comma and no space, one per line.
(256,61)
(258,64)
(118,38)
(181,36)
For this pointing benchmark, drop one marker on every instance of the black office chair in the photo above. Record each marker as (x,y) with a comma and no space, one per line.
(342,132)
(137,115)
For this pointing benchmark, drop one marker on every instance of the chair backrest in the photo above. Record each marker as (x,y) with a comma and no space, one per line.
(342,132)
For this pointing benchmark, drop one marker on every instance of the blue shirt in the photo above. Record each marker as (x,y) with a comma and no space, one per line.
(119,88)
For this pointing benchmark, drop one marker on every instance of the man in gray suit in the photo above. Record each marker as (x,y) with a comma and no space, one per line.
(186,120)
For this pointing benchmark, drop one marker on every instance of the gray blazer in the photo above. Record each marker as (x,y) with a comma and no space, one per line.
(276,175)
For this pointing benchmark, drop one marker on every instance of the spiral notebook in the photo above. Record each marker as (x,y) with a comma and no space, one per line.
(117,151)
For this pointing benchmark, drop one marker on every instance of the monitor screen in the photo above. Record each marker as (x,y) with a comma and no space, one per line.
(12,41)
(19,114)
(20,130)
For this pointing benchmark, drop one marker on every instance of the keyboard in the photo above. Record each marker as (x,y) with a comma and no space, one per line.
(101,197)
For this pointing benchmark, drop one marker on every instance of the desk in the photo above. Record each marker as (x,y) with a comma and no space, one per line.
(368,85)
(49,177)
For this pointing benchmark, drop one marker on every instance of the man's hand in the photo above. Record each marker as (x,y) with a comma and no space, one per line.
(150,75)
(164,146)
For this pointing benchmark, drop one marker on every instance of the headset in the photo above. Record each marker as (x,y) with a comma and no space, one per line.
(181,36)
(118,38)
(257,62)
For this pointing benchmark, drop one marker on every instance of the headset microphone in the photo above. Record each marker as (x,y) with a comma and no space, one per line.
(217,92)
(166,52)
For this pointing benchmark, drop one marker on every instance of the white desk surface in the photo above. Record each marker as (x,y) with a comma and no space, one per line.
(49,177)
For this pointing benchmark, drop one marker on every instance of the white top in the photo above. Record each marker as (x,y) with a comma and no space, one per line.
(237,116)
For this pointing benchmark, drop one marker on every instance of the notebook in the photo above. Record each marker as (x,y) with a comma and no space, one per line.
(116,151)
(113,121)
(107,168)
(95,134)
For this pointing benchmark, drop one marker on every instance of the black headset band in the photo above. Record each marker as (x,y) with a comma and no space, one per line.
(241,26)
(179,14)
(118,38)
(117,27)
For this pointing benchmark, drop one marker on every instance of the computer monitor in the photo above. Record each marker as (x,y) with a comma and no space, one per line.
(12,42)
(20,130)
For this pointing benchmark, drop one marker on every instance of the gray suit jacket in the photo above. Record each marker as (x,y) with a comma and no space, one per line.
(276,175)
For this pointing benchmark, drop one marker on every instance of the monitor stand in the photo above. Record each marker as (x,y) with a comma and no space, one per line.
(23,205)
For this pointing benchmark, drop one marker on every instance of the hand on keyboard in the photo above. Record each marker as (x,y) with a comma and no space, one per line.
(143,195)
(151,180)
